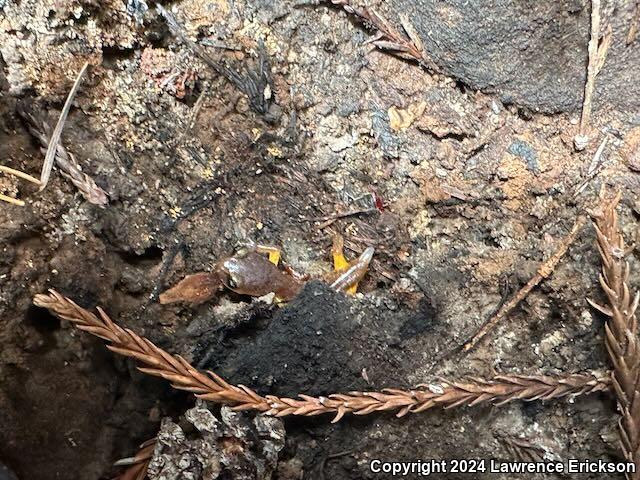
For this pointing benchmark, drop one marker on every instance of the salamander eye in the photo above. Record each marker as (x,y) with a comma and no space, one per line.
(231,282)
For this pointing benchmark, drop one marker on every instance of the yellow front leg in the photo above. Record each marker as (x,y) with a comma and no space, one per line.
(340,263)
(273,252)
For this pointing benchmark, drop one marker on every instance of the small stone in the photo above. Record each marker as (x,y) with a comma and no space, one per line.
(441,173)
(344,142)
(580,142)
(525,151)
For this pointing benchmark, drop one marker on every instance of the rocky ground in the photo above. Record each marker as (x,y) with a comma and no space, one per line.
(466,180)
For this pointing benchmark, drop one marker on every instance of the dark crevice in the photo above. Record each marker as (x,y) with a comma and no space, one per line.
(152,254)
(111,55)
(477,150)
(41,319)
(458,137)
(45,323)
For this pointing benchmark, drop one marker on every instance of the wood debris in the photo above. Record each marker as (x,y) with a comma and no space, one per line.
(597,55)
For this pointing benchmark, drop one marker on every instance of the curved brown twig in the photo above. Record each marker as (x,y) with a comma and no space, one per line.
(445,394)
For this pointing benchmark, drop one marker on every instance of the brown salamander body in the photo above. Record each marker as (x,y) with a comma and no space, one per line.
(249,272)
(253,274)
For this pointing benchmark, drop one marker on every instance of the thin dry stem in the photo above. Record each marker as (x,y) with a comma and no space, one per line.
(67,163)
(597,55)
(596,165)
(19,174)
(621,330)
(211,387)
(55,136)
(544,271)
(11,200)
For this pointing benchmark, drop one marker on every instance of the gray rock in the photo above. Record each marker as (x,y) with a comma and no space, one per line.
(383,133)
(237,446)
(532,54)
